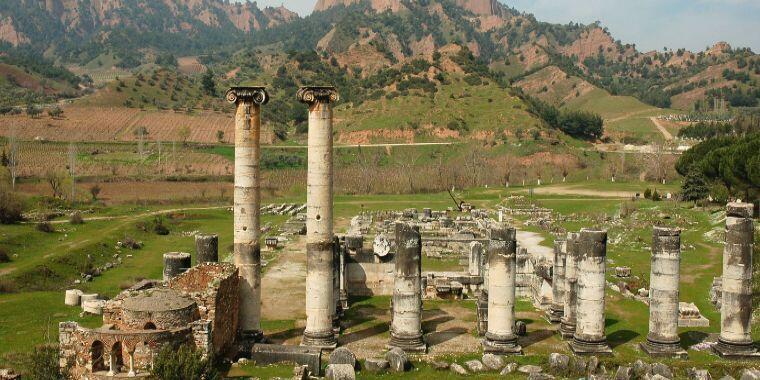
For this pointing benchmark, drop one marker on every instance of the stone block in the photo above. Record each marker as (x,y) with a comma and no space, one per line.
(750,374)
(558,362)
(529,369)
(458,369)
(698,374)
(398,360)
(265,354)
(624,373)
(340,372)
(508,369)
(494,362)
(375,365)
(342,355)
(475,366)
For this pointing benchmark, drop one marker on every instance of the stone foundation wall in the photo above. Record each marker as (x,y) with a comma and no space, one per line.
(77,347)
(214,287)
(369,279)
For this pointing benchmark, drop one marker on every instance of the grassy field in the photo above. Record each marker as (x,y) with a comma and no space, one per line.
(48,263)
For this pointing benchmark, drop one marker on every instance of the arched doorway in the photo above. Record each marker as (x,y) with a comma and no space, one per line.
(116,359)
(96,356)
(149,326)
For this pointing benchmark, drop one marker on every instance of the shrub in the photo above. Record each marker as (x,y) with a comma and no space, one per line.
(45,227)
(4,256)
(11,207)
(7,286)
(159,228)
(43,364)
(648,193)
(131,243)
(183,363)
(76,218)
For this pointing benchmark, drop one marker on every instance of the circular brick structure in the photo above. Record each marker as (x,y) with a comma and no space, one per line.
(159,309)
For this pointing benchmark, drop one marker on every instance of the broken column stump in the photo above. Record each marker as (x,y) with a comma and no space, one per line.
(589,338)
(502,271)
(663,340)
(406,322)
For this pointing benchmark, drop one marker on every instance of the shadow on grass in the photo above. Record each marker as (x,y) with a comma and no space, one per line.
(439,337)
(364,333)
(537,336)
(621,337)
(283,336)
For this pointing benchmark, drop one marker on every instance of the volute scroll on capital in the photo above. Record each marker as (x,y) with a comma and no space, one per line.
(257,95)
(317,94)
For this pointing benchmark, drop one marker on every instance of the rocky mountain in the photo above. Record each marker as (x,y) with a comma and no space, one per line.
(366,38)
(79,30)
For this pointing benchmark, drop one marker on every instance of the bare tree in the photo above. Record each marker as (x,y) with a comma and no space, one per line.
(368,164)
(72,168)
(406,160)
(55,180)
(14,157)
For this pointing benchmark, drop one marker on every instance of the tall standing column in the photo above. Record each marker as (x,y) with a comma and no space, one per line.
(246,208)
(589,335)
(735,340)
(557,308)
(567,326)
(320,305)
(502,273)
(663,340)
(406,325)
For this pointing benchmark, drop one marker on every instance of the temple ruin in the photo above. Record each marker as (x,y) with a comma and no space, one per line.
(217,306)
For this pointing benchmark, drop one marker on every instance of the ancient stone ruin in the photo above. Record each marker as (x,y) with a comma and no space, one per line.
(217,307)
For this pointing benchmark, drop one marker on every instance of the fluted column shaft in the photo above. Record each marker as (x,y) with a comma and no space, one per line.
(567,327)
(406,324)
(502,277)
(663,339)
(589,332)
(736,304)
(557,308)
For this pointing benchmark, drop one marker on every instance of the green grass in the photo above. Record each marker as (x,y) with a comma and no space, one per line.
(30,317)
(482,108)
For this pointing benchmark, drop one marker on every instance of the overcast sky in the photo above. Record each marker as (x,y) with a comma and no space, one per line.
(650,24)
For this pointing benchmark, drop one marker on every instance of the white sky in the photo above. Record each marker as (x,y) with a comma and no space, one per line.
(650,24)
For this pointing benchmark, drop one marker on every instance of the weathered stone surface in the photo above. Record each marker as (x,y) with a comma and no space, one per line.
(624,373)
(458,369)
(301,372)
(440,365)
(406,324)
(398,360)
(662,370)
(592,366)
(521,328)
(559,362)
(340,372)
(528,368)
(698,374)
(509,368)
(750,374)
(494,362)
(9,374)
(475,366)
(375,365)
(641,369)
(596,376)
(275,353)
(727,377)
(655,377)
(343,355)
(540,376)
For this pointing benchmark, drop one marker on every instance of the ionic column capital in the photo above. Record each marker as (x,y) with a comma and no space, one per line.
(257,95)
(317,94)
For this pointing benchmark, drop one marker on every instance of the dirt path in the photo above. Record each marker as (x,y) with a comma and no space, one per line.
(388,145)
(627,115)
(570,190)
(283,291)
(532,241)
(662,129)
